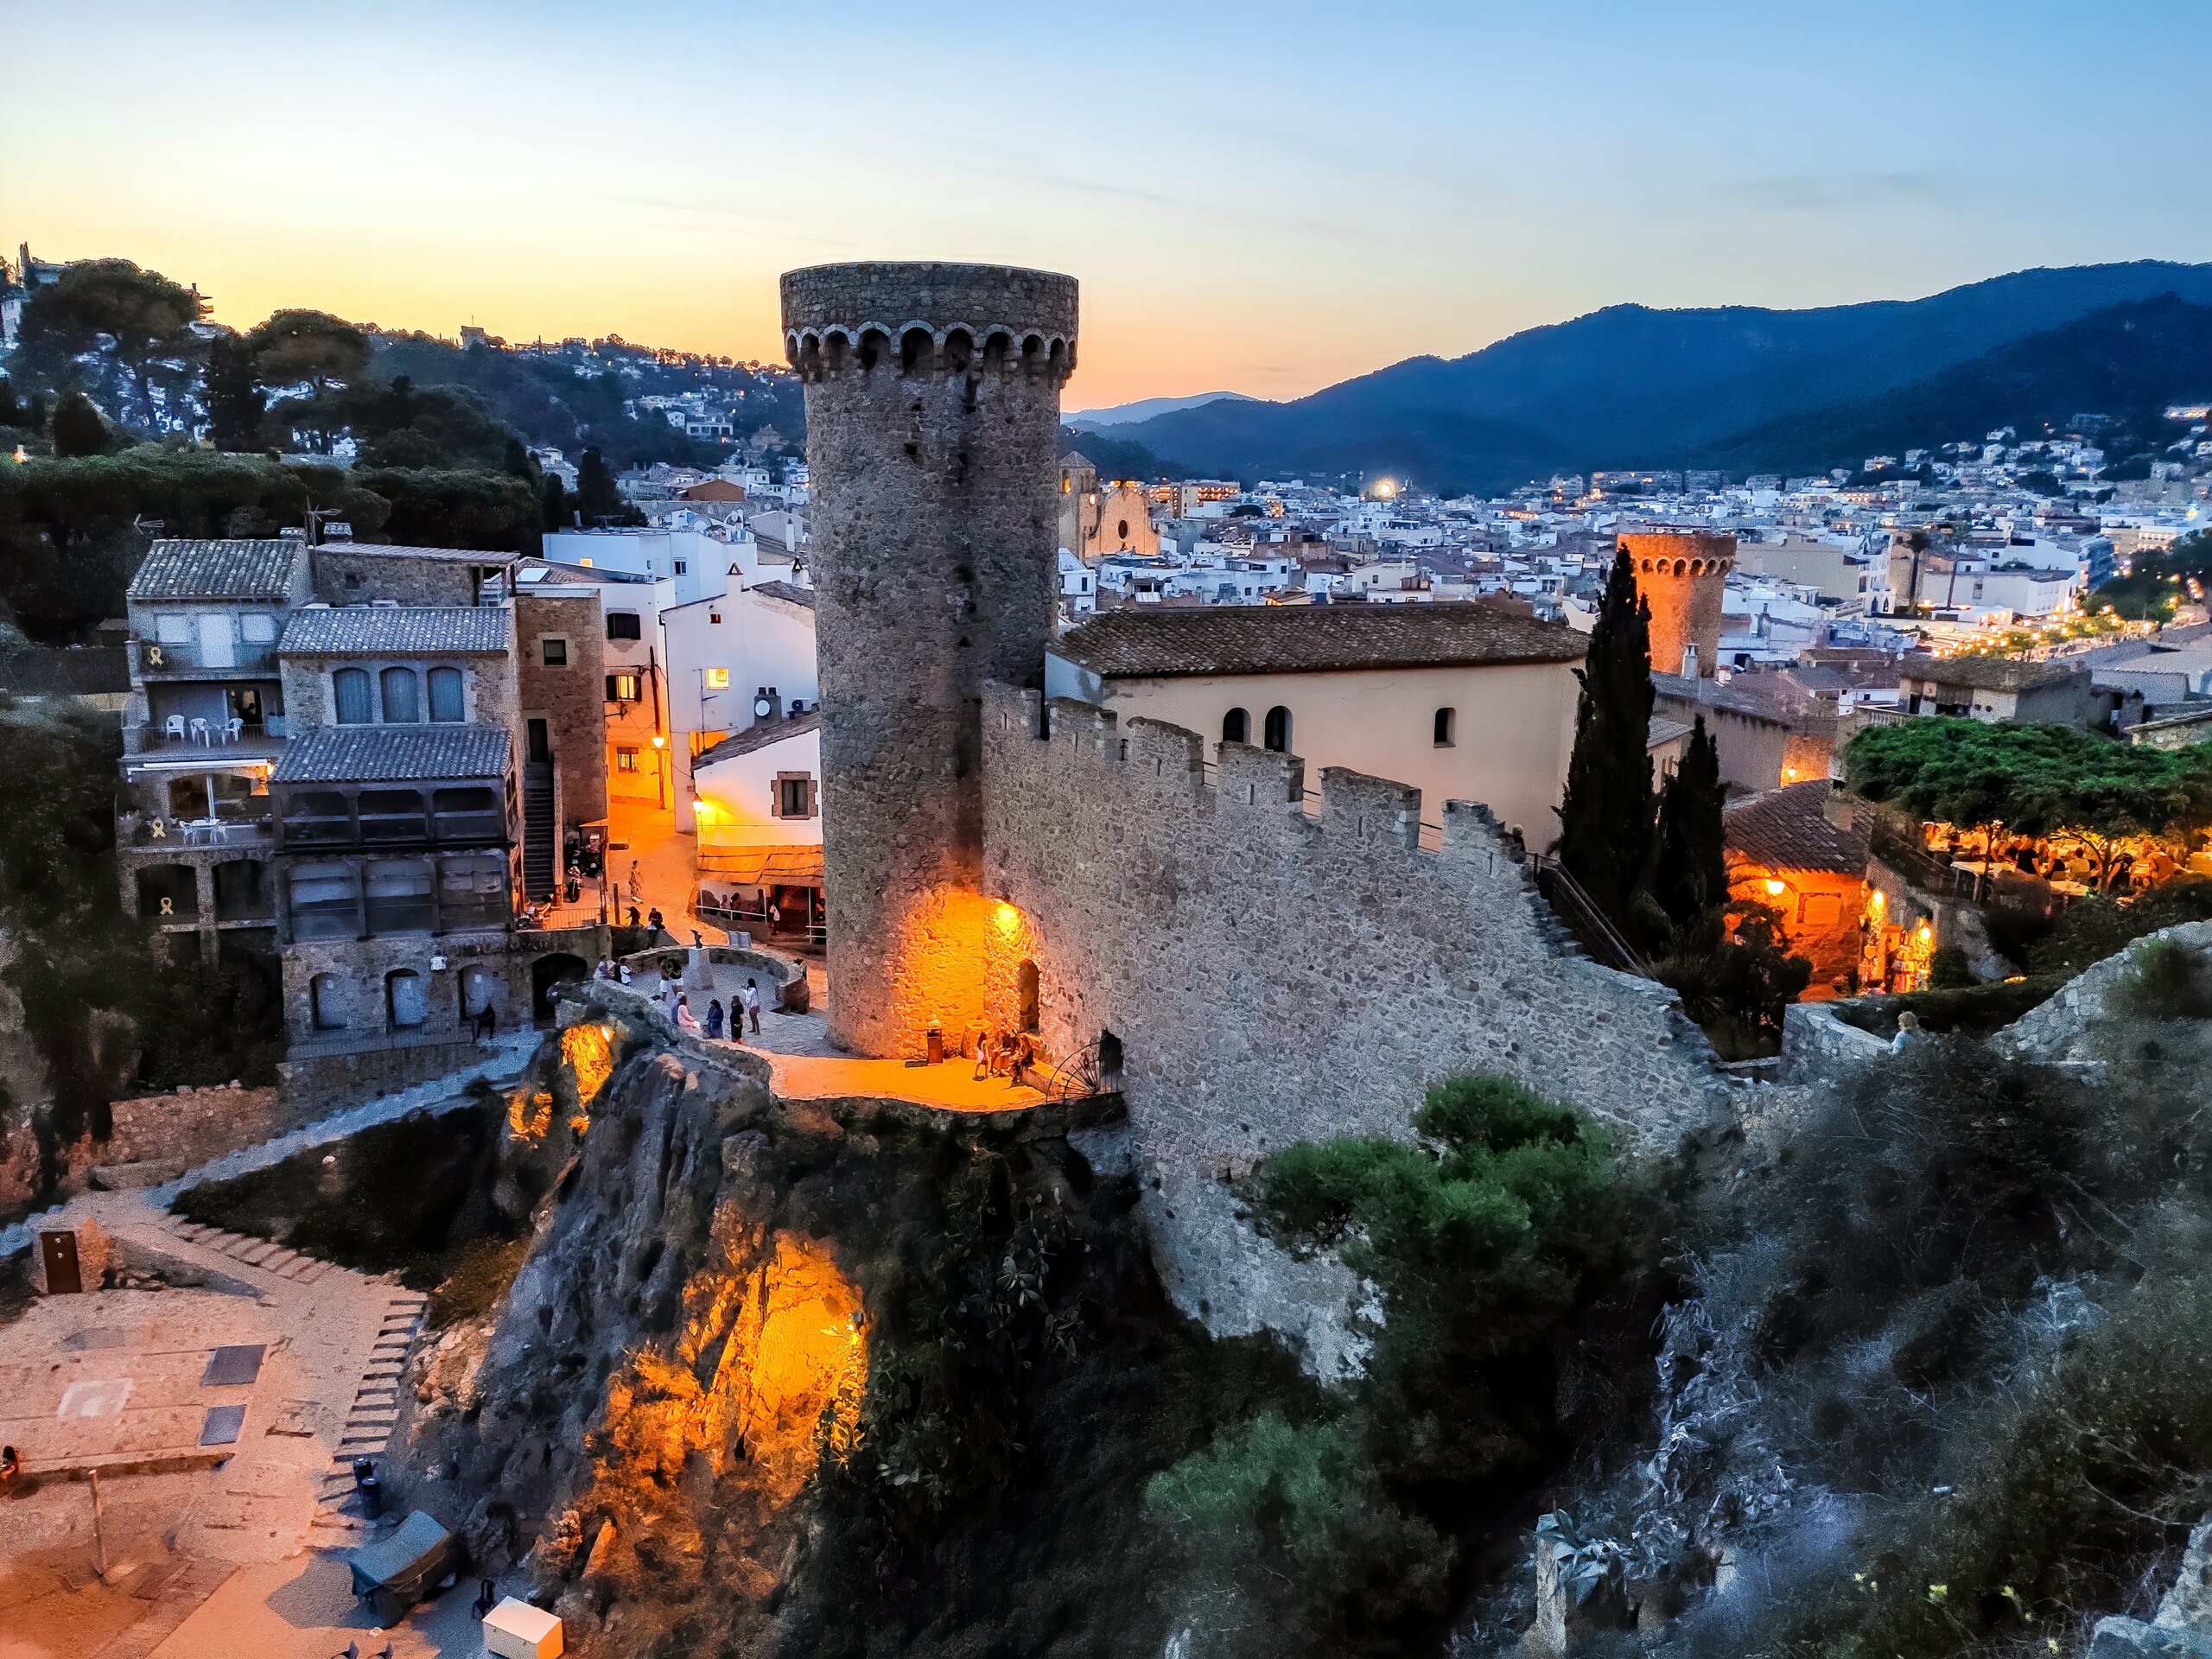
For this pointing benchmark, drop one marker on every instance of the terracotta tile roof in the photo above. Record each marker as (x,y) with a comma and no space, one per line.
(1786,830)
(391,754)
(1279,639)
(219,569)
(403,630)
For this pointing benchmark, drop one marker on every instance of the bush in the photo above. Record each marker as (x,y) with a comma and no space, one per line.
(2089,930)
(2164,980)
(1975,1010)
(1486,1241)
(1947,970)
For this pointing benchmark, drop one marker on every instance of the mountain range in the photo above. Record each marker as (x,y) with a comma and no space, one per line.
(1743,387)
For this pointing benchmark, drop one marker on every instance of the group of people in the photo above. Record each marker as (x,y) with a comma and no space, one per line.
(744,1012)
(1008,1054)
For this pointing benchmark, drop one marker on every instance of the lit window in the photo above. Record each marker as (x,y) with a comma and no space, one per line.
(717,679)
(625,760)
(555,651)
(714,616)
(624,688)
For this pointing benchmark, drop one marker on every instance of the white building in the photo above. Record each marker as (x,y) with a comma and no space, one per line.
(758,811)
(733,660)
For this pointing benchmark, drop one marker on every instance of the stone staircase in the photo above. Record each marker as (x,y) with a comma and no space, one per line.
(338,1518)
(250,1251)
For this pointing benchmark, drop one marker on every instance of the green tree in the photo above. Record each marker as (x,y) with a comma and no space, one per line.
(1690,874)
(11,408)
(314,347)
(235,403)
(556,502)
(78,429)
(1606,814)
(104,324)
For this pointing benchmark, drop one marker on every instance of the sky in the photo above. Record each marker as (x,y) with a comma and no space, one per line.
(1264,198)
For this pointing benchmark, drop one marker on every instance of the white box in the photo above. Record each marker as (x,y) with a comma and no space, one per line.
(515,1630)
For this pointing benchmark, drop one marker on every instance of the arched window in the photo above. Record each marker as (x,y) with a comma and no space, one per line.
(1025,985)
(1124,533)
(326,1001)
(403,699)
(445,697)
(351,687)
(402,999)
(1446,720)
(1276,734)
(1236,726)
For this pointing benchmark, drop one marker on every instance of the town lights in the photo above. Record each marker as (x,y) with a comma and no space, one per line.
(1385,488)
(1775,887)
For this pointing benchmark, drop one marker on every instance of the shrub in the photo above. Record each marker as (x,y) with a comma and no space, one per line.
(2091,929)
(2164,980)
(1974,1010)
(1947,970)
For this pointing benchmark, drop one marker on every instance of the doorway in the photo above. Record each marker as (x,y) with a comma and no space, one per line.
(216,650)
(58,1254)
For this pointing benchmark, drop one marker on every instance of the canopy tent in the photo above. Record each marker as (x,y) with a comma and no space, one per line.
(395,1573)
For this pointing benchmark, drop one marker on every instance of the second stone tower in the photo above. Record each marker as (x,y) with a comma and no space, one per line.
(932,447)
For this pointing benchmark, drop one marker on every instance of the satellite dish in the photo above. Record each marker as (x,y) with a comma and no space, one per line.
(762,707)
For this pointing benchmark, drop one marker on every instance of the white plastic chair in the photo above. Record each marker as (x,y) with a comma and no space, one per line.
(233,728)
(200,729)
(173,727)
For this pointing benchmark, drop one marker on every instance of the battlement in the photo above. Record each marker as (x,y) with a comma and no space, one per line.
(923,318)
(1152,762)
(1665,555)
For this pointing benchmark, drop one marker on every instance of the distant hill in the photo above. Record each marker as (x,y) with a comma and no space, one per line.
(2126,362)
(1144,409)
(1630,386)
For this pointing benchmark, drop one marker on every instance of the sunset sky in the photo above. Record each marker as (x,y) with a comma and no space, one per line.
(1267,198)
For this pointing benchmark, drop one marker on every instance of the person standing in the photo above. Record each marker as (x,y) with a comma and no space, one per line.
(749,999)
(714,1019)
(637,883)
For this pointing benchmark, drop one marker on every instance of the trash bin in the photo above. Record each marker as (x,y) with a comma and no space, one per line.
(363,1468)
(371,1492)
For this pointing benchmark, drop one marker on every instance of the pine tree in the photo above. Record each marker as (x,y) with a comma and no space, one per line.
(78,429)
(1606,815)
(1689,875)
(234,401)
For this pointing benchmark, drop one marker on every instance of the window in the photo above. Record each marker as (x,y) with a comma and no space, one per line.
(1445,720)
(402,696)
(717,679)
(399,898)
(473,891)
(258,628)
(625,760)
(173,630)
(683,568)
(553,650)
(317,814)
(328,1002)
(714,617)
(445,697)
(350,686)
(322,902)
(795,795)
(403,1000)
(624,624)
(393,815)
(1276,735)
(1236,726)
(624,688)
(469,815)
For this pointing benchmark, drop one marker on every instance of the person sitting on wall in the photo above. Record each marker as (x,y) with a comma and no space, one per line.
(653,920)
(685,1019)
(1021,1055)
(622,972)
(487,1023)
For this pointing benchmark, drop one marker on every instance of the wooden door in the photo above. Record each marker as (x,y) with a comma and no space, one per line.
(60,1251)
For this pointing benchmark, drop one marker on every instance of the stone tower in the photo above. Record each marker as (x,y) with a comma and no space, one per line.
(933,448)
(1681,574)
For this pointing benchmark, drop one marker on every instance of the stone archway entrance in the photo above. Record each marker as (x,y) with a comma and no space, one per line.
(547,974)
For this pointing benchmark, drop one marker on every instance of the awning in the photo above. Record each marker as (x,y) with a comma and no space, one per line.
(795,865)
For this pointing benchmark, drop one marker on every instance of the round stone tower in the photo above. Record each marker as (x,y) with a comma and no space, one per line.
(932,450)
(1681,574)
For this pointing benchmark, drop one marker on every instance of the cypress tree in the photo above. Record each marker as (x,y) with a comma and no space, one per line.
(12,412)
(78,429)
(1690,874)
(555,503)
(1606,813)
(595,491)
(234,401)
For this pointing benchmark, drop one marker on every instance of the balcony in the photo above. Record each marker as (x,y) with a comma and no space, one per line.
(207,741)
(193,658)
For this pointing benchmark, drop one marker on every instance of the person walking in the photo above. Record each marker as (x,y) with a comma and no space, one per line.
(637,883)
(749,999)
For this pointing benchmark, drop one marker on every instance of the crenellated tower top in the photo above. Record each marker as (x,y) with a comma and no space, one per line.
(927,318)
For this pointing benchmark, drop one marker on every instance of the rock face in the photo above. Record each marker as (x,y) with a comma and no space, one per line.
(2183,1627)
(641,1429)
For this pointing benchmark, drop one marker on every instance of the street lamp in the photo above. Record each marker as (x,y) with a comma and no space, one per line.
(660,771)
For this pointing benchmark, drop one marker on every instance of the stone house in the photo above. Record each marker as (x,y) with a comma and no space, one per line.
(1998,688)
(1469,703)
(1783,851)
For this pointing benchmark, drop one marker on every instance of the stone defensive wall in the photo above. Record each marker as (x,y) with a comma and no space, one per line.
(1276,975)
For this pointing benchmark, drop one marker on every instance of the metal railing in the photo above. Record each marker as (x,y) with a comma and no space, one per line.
(1589,923)
(190,656)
